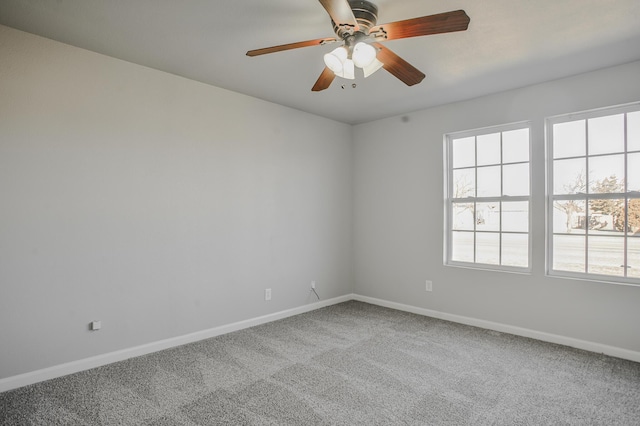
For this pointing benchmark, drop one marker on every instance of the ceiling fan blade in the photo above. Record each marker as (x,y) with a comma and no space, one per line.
(324,81)
(280,48)
(397,66)
(447,22)
(341,13)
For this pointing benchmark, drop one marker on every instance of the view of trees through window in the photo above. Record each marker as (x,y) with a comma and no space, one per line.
(593,196)
(595,193)
(604,213)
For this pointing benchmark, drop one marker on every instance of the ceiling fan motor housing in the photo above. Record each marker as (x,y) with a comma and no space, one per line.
(366,14)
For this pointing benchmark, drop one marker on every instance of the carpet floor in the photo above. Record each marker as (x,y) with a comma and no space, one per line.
(347,364)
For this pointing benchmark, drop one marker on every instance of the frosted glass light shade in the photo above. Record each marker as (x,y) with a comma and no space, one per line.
(335,60)
(374,66)
(348,70)
(363,54)
(333,63)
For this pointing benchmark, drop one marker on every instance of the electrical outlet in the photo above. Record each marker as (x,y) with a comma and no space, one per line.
(267,294)
(313,285)
(428,285)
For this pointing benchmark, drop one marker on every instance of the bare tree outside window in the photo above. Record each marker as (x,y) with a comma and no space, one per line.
(571,208)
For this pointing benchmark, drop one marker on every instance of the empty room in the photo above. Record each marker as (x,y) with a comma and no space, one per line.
(336,212)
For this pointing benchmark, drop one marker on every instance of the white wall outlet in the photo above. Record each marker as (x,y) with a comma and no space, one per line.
(313,285)
(428,285)
(267,294)
(95,325)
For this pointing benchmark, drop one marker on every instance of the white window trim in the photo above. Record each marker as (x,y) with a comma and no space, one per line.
(549,123)
(448,200)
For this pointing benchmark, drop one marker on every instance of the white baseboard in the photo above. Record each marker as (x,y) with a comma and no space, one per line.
(108,358)
(25,379)
(505,328)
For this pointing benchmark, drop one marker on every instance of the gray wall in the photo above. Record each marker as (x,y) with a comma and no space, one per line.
(399,209)
(156,204)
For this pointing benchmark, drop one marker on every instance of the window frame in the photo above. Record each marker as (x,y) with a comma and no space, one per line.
(449,200)
(588,195)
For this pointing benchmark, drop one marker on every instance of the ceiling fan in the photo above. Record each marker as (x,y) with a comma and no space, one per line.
(355,24)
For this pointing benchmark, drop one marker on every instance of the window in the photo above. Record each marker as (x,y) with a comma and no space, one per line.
(593,189)
(488,198)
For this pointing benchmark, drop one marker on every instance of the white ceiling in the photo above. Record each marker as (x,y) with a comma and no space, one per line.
(509,43)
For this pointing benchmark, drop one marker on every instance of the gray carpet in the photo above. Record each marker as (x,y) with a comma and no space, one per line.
(348,364)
